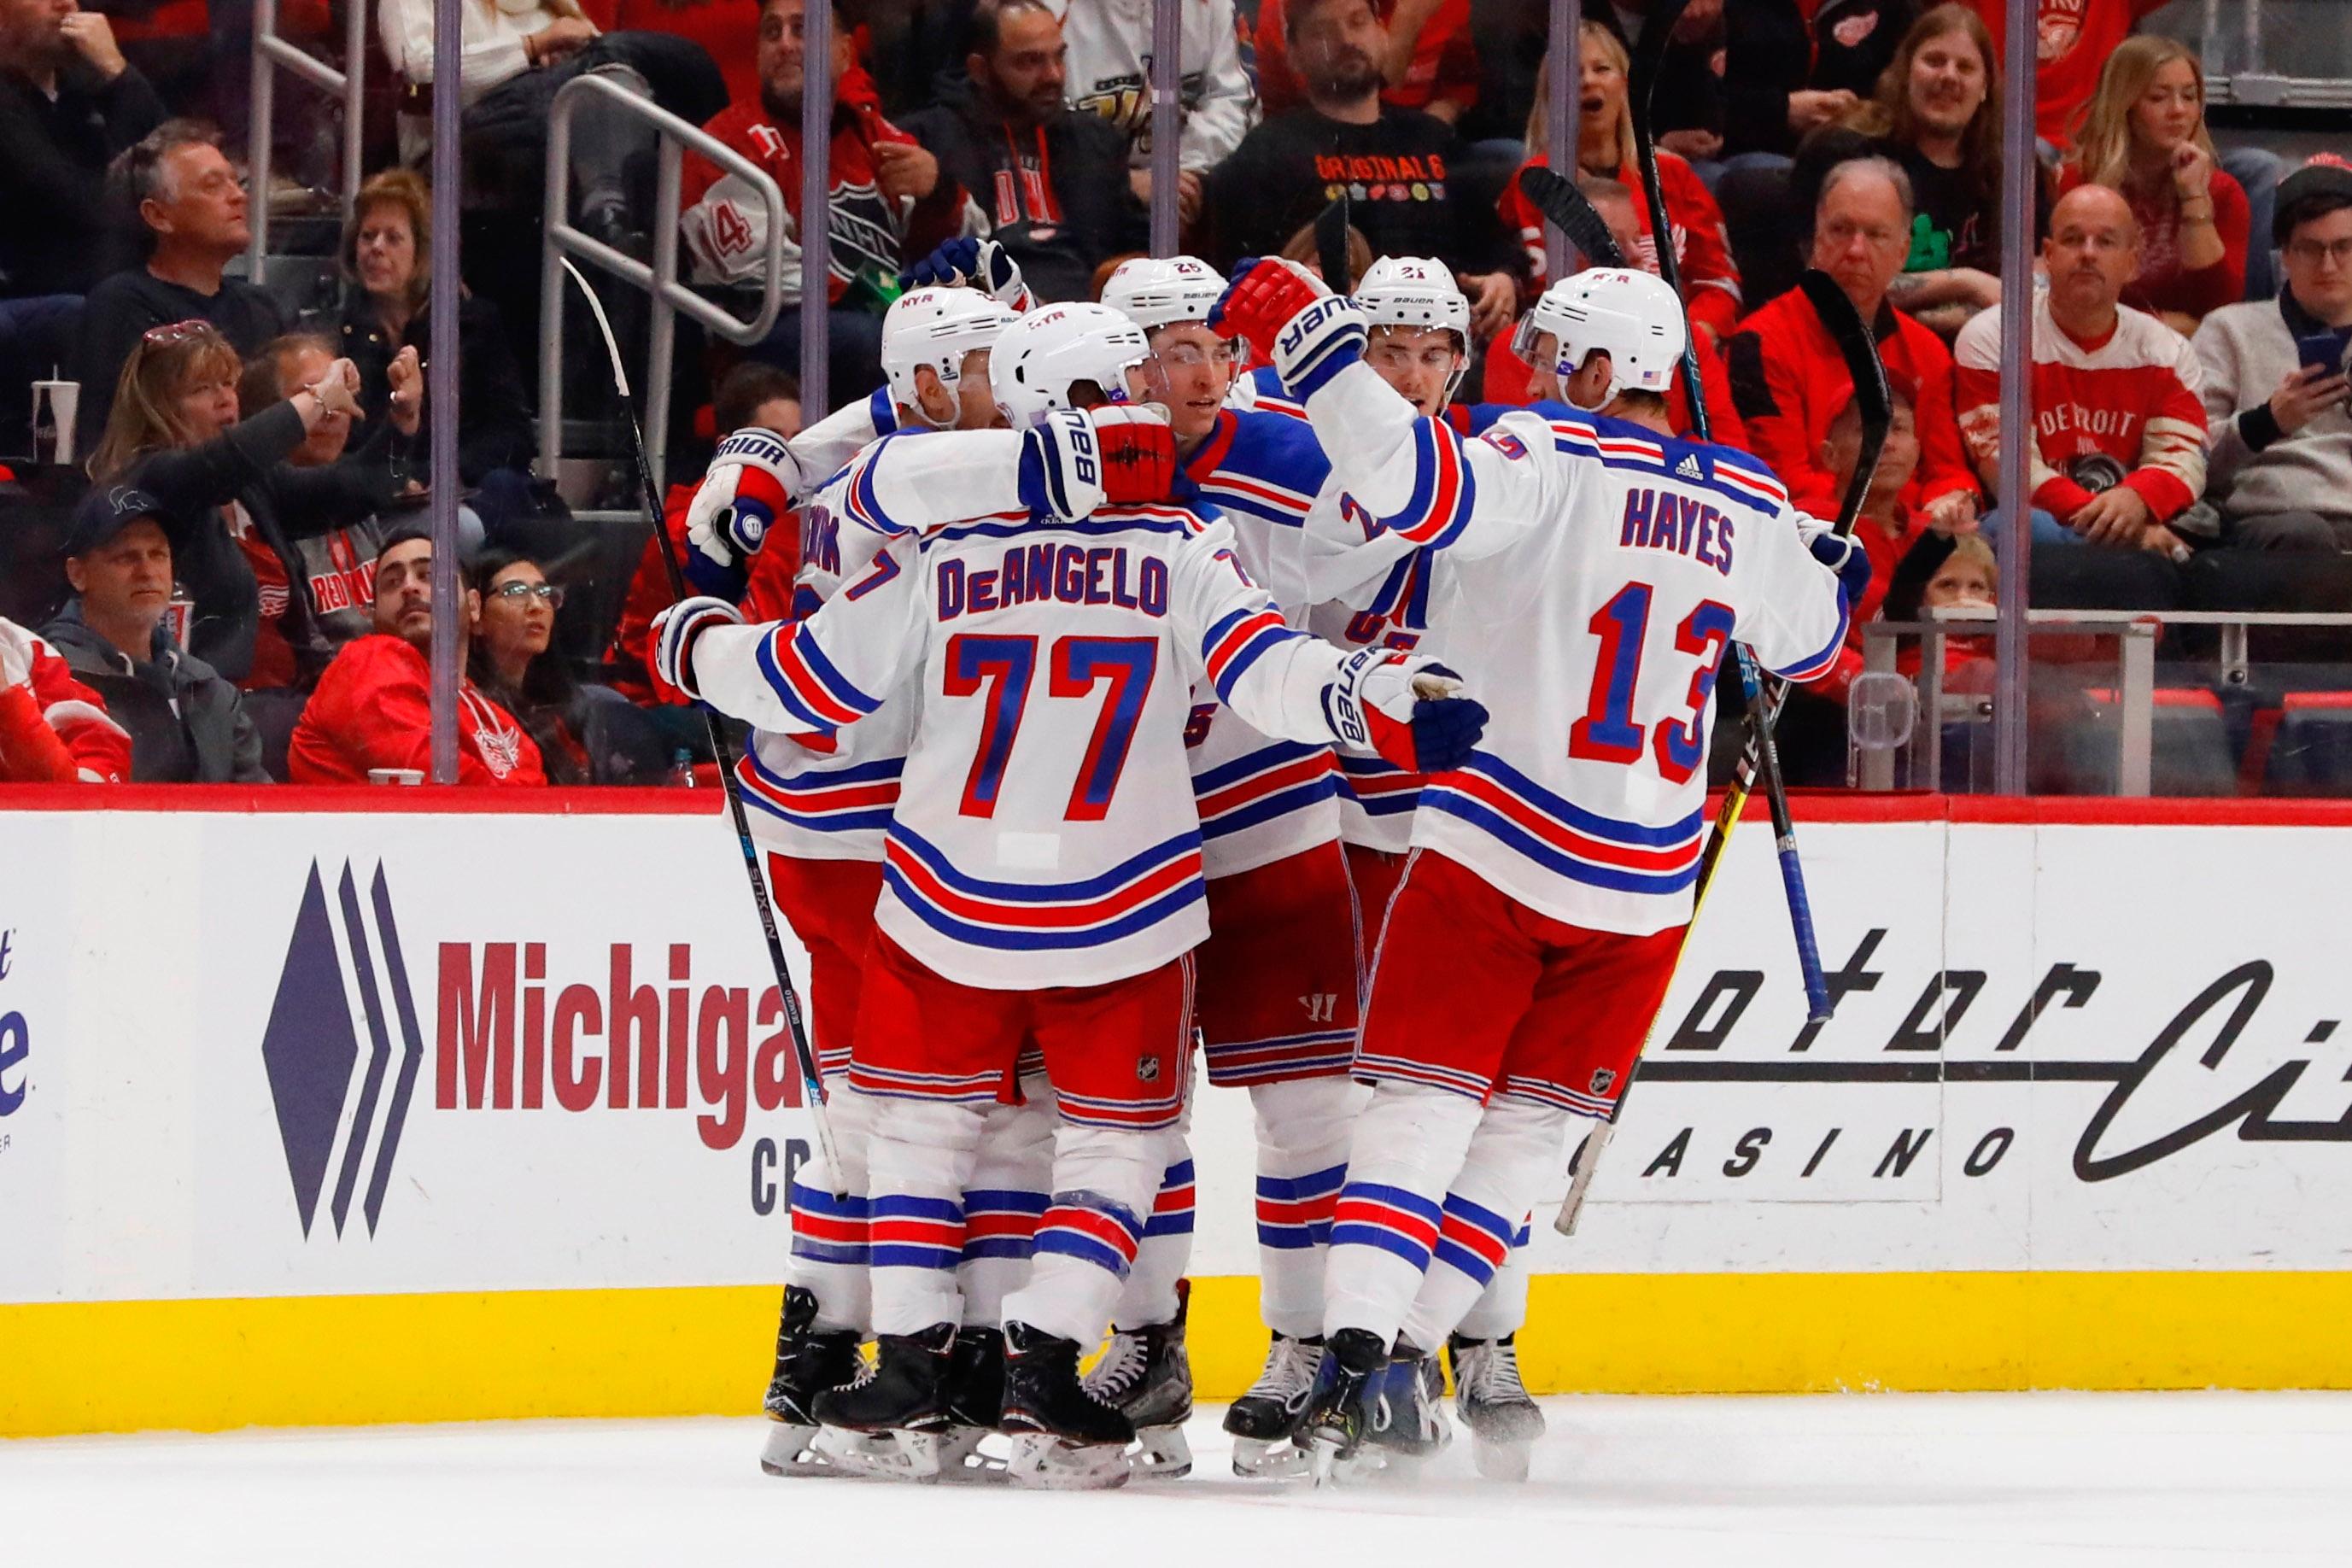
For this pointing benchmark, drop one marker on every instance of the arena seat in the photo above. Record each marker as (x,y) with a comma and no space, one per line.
(2311,750)
(2190,748)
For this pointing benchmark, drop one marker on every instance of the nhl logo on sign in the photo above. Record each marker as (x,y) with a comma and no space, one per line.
(1601,1079)
(1147,1069)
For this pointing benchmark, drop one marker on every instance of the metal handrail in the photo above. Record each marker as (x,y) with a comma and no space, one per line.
(659,280)
(272,54)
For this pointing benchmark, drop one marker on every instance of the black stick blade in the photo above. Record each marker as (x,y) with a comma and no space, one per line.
(1872,397)
(1568,210)
(1331,246)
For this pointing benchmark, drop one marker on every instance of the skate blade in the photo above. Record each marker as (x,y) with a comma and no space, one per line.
(1278,1459)
(895,1456)
(1042,1460)
(805,1451)
(973,1455)
(1161,1454)
(1323,1461)
(1501,1461)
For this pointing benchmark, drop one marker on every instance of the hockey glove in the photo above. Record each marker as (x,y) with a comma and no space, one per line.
(1307,333)
(1405,708)
(749,488)
(980,264)
(670,644)
(1842,554)
(1139,452)
(1061,475)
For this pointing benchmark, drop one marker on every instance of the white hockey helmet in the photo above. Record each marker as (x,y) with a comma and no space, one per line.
(1633,317)
(1418,294)
(1161,292)
(1045,353)
(937,327)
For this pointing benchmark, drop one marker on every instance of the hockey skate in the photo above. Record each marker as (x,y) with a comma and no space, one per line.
(1063,1437)
(1404,1416)
(1336,1420)
(1265,1421)
(1147,1374)
(809,1361)
(1493,1402)
(975,1407)
(901,1398)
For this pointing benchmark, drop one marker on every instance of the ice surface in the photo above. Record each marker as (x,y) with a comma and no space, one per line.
(1991,1481)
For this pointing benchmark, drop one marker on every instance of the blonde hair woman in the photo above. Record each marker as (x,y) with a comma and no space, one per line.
(2143,133)
(1604,148)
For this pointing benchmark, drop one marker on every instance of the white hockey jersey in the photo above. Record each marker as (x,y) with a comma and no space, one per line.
(1045,833)
(1587,574)
(1110,74)
(1261,800)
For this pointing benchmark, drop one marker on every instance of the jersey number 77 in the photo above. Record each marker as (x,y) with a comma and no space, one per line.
(1607,733)
(1000,669)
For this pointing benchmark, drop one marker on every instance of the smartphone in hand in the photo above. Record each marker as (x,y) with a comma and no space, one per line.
(2320,349)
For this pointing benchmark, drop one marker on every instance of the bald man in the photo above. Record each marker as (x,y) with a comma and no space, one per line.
(2119,415)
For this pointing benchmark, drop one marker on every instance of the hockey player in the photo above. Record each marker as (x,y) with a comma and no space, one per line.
(1042,875)
(819,813)
(1595,569)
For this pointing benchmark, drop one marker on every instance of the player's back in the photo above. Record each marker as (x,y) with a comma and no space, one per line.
(1595,623)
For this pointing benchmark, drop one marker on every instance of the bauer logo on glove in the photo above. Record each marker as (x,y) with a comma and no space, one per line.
(1405,707)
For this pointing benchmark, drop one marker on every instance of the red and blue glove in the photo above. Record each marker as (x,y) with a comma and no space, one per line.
(1843,554)
(1406,708)
(1292,319)
(980,264)
(669,645)
(747,491)
(1073,461)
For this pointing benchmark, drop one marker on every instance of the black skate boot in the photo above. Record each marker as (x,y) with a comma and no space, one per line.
(903,1395)
(975,1406)
(809,1361)
(1063,1435)
(1404,1411)
(1493,1402)
(1336,1419)
(1147,1374)
(1265,1421)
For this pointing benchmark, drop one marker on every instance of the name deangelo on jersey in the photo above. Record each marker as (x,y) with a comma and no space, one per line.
(1070,573)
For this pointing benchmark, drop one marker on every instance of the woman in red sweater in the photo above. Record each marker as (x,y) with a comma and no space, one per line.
(2144,134)
(1710,282)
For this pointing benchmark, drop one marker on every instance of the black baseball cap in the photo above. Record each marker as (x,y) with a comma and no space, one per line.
(2325,176)
(106,512)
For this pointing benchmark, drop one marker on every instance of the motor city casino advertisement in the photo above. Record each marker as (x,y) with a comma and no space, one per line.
(292,1053)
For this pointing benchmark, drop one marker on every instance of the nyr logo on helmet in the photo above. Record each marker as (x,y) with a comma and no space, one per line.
(311,1049)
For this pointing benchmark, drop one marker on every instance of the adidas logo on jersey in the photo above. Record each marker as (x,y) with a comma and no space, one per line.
(1689,468)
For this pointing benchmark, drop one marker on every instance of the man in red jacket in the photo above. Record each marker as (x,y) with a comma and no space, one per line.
(53,728)
(373,707)
(1790,381)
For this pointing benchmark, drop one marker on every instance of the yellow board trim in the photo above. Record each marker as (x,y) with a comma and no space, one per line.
(293,1361)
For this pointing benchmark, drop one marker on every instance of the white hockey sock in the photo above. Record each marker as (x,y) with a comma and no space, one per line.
(829,1230)
(1302,1158)
(1166,1250)
(1517,1144)
(1010,1182)
(1407,1147)
(1502,1308)
(921,1154)
(1104,1182)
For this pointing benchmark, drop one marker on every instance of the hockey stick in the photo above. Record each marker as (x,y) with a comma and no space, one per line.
(1331,246)
(724,753)
(1649,57)
(1851,335)
(1568,210)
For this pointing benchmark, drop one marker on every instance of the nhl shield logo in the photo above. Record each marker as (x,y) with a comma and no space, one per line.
(1602,1078)
(1147,1069)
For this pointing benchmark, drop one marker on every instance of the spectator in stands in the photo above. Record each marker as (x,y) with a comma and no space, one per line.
(2275,390)
(2144,134)
(188,725)
(1604,130)
(68,103)
(1789,381)
(1855,40)
(512,665)
(2072,39)
(53,728)
(373,707)
(2119,431)
(1937,112)
(1887,528)
(1109,76)
(888,207)
(1509,379)
(1051,179)
(1395,162)
(1430,64)
(1690,94)
(176,433)
(386,313)
(517,54)
(335,503)
(191,202)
